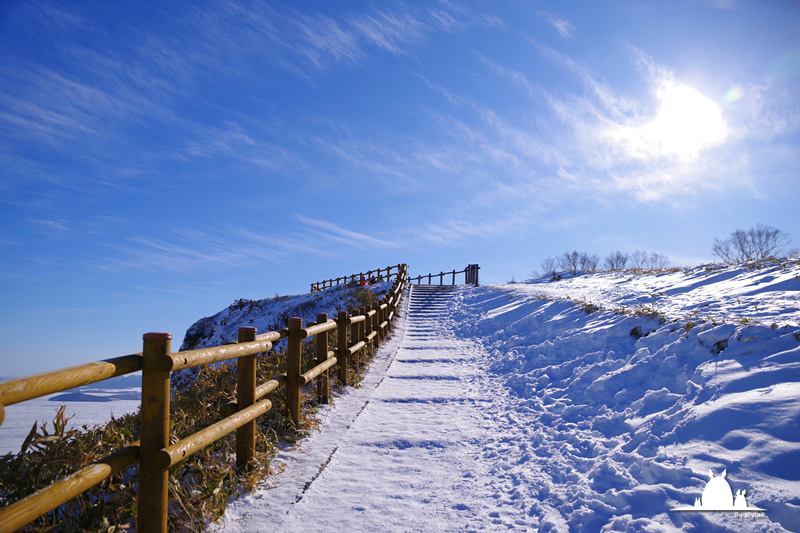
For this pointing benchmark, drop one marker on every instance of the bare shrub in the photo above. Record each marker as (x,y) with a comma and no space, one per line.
(548,266)
(756,243)
(658,261)
(639,260)
(569,261)
(616,261)
(588,263)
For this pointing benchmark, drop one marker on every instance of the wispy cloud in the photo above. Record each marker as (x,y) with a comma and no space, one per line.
(336,233)
(375,162)
(226,245)
(187,250)
(617,105)
(390,32)
(51,228)
(563,27)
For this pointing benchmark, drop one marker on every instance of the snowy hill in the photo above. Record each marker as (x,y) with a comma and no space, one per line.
(530,411)
(272,314)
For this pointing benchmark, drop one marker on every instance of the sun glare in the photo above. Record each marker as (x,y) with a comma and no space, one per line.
(686,123)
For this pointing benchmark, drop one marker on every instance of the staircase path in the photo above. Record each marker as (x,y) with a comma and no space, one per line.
(398,452)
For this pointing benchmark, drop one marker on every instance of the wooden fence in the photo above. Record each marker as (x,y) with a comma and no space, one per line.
(470,276)
(376,276)
(153,451)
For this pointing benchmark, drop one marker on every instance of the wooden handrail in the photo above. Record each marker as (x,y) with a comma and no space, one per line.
(470,276)
(217,354)
(175,453)
(21,389)
(22,512)
(154,452)
(356,277)
(317,370)
(316,329)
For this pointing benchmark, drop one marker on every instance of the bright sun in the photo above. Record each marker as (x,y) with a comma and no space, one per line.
(686,123)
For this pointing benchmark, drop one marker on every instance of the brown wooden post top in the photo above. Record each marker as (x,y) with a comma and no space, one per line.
(157,335)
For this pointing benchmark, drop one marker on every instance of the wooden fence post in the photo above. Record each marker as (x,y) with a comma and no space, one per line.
(367,321)
(322,356)
(354,329)
(154,429)
(341,352)
(293,364)
(362,332)
(376,322)
(245,397)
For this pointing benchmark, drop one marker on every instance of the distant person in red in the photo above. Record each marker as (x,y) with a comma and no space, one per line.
(362,280)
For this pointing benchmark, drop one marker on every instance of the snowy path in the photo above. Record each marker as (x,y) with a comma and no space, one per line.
(407,457)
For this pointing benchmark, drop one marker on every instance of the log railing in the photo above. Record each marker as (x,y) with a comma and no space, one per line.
(153,451)
(470,276)
(370,276)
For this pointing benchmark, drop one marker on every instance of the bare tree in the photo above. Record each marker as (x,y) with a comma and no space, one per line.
(756,243)
(767,239)
(616,261)
(639,260)
(723,250)
(569,261)
(548,266)
(588,263)
(658,261)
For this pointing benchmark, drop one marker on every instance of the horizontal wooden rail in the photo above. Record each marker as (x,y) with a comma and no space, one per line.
(356,347)
(217,354)
(313,329)
(470,276)
(273,336)
(32,507)
(261,391)
(368,277)
(175,453)
(356,319)
(319,369)
(27,388)
(154,452)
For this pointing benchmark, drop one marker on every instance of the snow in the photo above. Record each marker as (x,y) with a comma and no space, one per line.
(494,408)
(269,314)
(21,417)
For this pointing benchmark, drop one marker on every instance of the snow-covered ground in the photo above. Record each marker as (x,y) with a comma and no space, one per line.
(272,314)
(21,417)
(502,409)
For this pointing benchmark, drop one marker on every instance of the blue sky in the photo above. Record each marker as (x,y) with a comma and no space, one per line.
(159,160)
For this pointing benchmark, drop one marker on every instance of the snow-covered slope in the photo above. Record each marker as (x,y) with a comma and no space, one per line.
(270,314)
(569,420)
(620,428)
